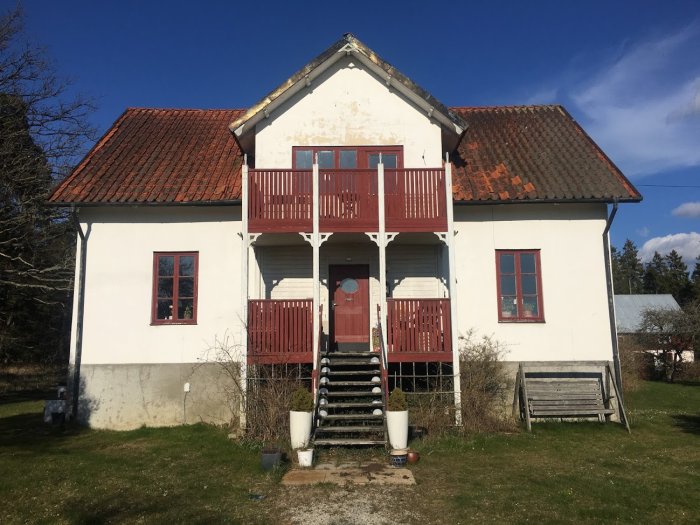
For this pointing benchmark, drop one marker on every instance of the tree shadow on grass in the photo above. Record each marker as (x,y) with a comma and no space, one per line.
(687,423)
(29,432)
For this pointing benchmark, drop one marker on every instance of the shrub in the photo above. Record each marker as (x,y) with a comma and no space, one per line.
(434,411)
(635,363)
(397,400)
(484,385)
(302,401)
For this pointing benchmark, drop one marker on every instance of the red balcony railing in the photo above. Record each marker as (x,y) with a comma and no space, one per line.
(419,330)
(280,331)
(348,200)
(282,200)
(415,200)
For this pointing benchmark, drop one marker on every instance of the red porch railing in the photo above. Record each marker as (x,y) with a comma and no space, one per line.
(415,200)
(280,331)
(419,330)
(348,200)
(280,201)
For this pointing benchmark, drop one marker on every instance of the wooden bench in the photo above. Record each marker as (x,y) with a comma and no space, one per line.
(545,395)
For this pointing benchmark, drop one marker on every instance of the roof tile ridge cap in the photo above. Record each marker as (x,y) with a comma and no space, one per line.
(202,110)
(511,106)
(90,154)
(617,172)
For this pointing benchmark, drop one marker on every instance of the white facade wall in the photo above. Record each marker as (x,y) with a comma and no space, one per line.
(119,282)
(569,237)
(348,105)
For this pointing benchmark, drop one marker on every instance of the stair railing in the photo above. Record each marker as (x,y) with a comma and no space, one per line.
(316,376)
(384,369)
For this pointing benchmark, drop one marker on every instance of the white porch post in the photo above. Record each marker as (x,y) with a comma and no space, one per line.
(245,255)
(315,244)
(382,255)
(452,270)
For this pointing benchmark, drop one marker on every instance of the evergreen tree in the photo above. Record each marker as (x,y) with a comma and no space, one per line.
(655,273)
(676,280)
(631,271)
(695,279)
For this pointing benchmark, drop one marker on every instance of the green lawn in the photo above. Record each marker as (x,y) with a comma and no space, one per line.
(568,473)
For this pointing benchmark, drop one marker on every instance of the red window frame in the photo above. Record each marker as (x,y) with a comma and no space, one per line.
(175,318)
(521,312)
(363,153)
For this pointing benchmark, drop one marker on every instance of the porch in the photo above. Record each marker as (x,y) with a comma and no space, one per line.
(281,331)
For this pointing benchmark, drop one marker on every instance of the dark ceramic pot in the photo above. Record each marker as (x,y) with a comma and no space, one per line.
(271,458)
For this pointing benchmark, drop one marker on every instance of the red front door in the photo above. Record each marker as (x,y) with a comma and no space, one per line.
(349,289)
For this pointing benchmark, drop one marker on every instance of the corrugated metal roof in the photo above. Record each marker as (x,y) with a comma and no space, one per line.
(524,153)
(629,309)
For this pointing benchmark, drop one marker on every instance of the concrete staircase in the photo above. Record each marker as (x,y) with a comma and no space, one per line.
(351,401)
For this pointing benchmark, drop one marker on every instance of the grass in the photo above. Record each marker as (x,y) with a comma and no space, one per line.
(560,473)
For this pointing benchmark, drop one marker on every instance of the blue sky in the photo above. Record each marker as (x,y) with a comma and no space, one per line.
(628,71)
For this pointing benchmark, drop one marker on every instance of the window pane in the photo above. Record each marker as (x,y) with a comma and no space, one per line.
(348,159)
(509,307)
(529,284)
(187,265)
(373,160)
(303,159)
(326,160)
(530,306)
(165,309)
(507,263)
(527,263)
(186,287)
(166,264)
(390,160)
(185,309)
(165,287)
(507,284)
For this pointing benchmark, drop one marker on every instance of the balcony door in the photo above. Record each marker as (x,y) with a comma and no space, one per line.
(347,157)
(349,314)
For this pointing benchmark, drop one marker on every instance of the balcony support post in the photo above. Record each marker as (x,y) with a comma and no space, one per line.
(245,257)
(452,287)
(316,246)
(381,244)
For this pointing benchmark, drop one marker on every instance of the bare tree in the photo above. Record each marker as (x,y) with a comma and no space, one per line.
(42,134)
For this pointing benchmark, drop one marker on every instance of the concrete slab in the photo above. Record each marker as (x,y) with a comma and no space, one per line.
(359,474)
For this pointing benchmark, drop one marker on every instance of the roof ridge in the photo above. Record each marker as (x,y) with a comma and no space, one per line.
(511,106)
(202,110)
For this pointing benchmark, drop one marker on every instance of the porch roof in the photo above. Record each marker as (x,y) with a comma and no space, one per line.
(184,156)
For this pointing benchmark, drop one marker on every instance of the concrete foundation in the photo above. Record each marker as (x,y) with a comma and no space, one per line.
(124,397)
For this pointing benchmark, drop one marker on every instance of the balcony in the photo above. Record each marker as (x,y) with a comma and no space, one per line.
(283,200)
(419,330)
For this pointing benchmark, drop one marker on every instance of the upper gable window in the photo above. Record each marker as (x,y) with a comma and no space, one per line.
(347,157)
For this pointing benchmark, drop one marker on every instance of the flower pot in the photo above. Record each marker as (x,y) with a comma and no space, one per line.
(397,424)
(300,428)
(270,458)
(306,457)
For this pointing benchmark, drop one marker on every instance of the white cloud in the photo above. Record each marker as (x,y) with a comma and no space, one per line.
(686,244)
(688,209)
(643,104)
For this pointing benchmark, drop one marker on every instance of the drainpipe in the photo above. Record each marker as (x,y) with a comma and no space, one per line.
(611,302)
(79,313)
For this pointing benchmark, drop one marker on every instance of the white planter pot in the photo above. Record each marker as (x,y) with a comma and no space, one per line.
(397,424)
(300,428)
(306,457)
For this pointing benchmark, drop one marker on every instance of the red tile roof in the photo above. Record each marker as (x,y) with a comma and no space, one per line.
(524,153)
(532,153)
(159,156)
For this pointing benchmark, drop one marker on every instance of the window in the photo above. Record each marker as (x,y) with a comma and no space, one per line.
(175,288)
(519,285)
(347,157)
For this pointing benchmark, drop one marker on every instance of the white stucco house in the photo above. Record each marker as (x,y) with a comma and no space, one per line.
(347,211)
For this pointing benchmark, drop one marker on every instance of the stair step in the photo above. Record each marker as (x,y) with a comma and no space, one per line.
(349,383)
(352,428)
(353,393)
(352,405)
(350,362)
(353,372)
(348,442)
(345,355)
(352,416)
